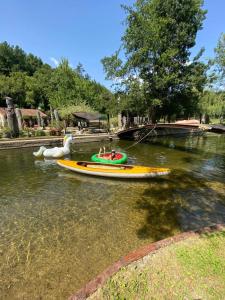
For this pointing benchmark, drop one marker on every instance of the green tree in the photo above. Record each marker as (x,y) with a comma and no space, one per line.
(217,74)
(100,98)
(157,43)
(64,86)
(14,59)
(38,87)
(3,88)
(14,86)
(132,99)
(31,83)
(212,104)
(69,88)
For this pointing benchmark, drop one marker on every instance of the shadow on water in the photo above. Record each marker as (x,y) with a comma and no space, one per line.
(181,202)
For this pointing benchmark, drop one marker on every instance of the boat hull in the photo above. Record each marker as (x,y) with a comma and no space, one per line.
(113,171)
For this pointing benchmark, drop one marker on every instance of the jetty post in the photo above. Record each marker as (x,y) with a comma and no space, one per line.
(39,118)
(11,117)
(19,118)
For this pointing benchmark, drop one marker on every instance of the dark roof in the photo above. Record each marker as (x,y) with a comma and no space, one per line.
(88,116)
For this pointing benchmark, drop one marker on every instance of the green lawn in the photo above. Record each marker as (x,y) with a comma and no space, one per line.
(191,269)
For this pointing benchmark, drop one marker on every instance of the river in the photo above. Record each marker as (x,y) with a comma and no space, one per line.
(59,229)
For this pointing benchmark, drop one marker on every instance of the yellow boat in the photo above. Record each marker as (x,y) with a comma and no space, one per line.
(109,170)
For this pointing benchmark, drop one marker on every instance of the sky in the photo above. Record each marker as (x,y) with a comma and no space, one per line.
(85,30)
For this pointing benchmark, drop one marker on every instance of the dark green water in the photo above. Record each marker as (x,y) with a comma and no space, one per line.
(58,229)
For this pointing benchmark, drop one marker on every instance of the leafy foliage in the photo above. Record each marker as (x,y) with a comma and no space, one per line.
(213,104)
(220,54)
(31,83)
(217,64)
(157,43)
(14,59)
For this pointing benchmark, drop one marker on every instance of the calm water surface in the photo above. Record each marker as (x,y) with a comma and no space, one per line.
(58,229)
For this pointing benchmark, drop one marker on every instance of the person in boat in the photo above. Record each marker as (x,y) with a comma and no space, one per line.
(113,154)
(100,151)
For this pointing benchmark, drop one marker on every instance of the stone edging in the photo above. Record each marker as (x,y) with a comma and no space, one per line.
(99,280)
(52,141)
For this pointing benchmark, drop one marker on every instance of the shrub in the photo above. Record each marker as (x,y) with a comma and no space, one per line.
(39,133)
(6,132)
(55,131)
(23,133)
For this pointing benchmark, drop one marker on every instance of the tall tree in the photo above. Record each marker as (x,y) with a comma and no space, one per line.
(65,87)
(218,64)
(157,43)
(38,87)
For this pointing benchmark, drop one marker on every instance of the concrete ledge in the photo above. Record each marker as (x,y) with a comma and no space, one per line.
(52,141)
(99,280)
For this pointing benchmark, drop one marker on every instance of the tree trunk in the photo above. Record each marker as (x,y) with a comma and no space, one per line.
(19,118)
(52,116)
(149,115)
(38,118)
(65,125)
(11,117)
(207,119)
(108,121)
(56,114)
(119,121)
(153,116)
(127,120)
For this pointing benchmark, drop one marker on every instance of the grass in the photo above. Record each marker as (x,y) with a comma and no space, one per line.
(191,269)
(214,121)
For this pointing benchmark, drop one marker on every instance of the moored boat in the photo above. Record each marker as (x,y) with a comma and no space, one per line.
(119,158)
(109,170)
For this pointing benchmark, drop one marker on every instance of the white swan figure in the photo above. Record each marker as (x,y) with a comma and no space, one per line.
(56,152)
(39,153)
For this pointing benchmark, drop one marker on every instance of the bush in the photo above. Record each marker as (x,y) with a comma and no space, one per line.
(55,131)
(114,121)
(6,132)
(39,133)
(23,133)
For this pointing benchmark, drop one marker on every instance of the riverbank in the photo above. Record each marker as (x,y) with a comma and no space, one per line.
(52,141)
(188,266)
